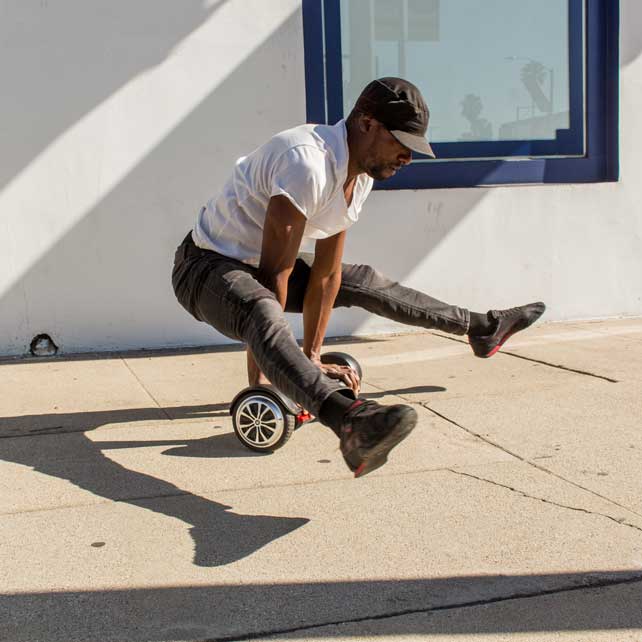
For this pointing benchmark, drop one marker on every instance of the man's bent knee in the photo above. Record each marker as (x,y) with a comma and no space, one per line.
(365,276)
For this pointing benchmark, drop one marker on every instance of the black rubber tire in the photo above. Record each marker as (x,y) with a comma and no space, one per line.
(272,407)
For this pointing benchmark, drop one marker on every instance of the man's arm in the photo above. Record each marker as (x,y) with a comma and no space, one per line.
(322,290)
(282,234)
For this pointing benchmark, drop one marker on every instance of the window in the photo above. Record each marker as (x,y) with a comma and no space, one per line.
(520,91)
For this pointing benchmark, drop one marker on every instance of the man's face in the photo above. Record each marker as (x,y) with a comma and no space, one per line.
(384,155)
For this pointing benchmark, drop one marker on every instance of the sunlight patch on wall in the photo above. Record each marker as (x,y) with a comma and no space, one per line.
(78,169)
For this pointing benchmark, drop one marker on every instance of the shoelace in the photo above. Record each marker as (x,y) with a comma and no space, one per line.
(509,312)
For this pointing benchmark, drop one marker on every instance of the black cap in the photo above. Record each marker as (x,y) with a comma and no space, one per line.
(399,105)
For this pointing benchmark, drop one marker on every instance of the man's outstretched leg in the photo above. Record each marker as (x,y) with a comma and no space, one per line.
(367,288)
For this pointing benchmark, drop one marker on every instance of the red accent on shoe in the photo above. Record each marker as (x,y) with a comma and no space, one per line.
(347,428)
(360,469)
(505,338)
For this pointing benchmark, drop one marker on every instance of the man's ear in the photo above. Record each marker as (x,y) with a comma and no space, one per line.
(366,123)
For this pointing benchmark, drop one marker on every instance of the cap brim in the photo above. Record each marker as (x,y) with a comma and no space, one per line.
(416,143)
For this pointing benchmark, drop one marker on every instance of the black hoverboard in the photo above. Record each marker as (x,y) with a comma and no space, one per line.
(264,418)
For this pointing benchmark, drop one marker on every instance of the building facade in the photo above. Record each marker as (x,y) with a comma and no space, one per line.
(118,120)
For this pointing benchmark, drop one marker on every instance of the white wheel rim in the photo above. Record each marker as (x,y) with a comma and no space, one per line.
(259,421)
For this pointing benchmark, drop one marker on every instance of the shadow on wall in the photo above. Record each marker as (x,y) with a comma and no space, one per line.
(112,269)
(404,238)
(73,56)
(457,606)
(631,28)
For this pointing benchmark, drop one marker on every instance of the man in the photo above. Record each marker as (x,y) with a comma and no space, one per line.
(240,268)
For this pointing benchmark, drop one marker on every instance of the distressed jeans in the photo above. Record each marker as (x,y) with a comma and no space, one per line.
(226,294)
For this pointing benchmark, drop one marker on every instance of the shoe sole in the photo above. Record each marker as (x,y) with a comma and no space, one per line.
(378,455)
(507,336)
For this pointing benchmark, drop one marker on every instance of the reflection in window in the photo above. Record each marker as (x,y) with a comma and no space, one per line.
(489,69)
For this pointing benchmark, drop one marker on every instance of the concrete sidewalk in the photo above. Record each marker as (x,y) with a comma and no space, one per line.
(130,511)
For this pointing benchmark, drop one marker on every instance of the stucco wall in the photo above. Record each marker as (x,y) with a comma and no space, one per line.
(119,119)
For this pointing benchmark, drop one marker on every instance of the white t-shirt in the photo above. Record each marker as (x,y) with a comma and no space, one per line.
(308,165)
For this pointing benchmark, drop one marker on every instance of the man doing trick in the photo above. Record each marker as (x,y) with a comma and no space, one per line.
(240,267)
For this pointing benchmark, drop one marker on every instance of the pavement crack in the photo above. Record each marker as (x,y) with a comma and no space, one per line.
(528,461)
(557,366)
(517,456)
(587,585)
(620,521)
(39,432)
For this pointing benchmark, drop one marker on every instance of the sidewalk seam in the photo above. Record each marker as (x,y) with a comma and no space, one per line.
(119,500)
(528,461)
(232,489)
(425,405)
(581,326)
(557,366)
(142,385)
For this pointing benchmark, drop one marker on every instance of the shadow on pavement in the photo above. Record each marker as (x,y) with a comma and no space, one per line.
(232,612)
(65,451)
(404,391)
(225,446)
(65,422)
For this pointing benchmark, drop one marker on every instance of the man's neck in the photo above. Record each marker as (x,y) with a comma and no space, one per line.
(354,168)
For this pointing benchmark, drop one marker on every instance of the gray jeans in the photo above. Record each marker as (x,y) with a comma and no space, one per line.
(226,294)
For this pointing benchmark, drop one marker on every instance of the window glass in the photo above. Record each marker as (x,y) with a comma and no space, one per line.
(490,70)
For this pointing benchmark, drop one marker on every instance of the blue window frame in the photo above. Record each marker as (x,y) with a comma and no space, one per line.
(584,151)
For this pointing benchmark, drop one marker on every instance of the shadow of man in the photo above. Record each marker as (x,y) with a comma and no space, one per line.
(220,536)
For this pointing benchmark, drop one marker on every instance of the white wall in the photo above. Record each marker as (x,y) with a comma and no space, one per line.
(119,119)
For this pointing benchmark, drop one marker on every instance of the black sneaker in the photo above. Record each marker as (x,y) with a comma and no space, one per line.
(370,431)
(508,323)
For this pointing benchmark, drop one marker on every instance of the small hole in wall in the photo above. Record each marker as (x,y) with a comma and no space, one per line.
(42,345)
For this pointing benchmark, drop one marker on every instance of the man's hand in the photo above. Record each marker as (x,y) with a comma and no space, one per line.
(342,373)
